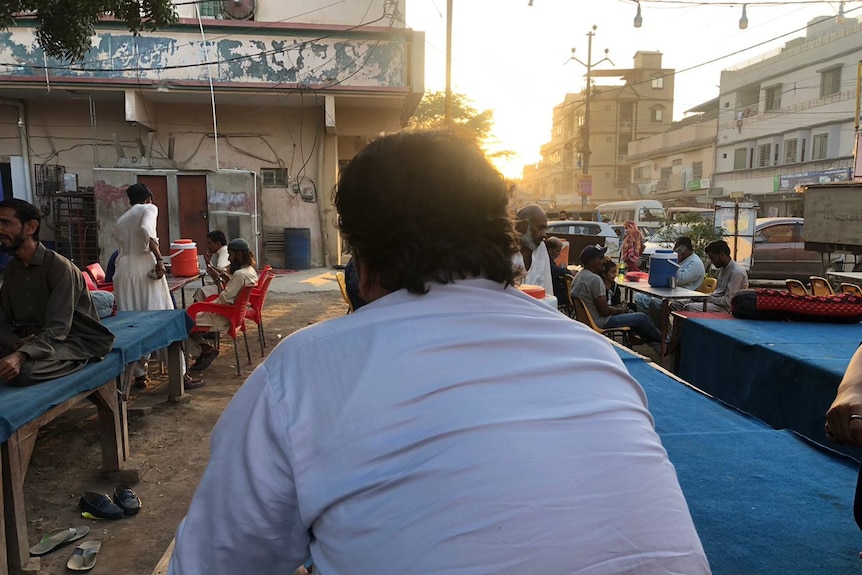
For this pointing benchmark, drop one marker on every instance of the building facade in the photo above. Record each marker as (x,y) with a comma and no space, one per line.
(788,118)
(237,117)
(675,167)
(638,104)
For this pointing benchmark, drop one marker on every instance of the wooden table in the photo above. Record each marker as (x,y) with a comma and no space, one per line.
(666,294)
(178,283)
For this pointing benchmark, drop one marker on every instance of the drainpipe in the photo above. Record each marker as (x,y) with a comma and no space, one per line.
(25,145)
(321,208)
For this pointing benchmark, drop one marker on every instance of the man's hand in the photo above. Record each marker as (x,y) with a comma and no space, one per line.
(21,342)
(10,366)
(844,418)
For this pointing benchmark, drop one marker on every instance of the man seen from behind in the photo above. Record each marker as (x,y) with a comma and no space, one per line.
(454,425)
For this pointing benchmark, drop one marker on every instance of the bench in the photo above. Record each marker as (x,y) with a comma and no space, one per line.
(23,411)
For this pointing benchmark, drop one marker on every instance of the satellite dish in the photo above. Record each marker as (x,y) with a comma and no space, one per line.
(238,9)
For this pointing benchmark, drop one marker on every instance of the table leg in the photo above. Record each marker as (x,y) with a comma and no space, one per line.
(183,296)
(4,562)
(17,547)
(665,320)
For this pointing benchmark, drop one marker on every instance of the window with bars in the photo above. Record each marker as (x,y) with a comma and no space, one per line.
(210,8)
(773,98)
(790,149)
(830,81)
(739,158)
(819,146)
(764,155)
(666,173)
(273,178)
(696,170)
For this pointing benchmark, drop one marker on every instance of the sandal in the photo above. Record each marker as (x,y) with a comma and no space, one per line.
(84,557)
(190,382)
(57,538)
(141,382)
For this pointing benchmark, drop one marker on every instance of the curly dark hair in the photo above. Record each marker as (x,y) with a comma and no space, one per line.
(426,206)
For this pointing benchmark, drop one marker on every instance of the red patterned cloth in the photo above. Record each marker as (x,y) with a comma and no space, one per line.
(775,304)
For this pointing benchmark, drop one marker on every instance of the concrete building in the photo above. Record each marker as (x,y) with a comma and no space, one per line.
(675,167)
(237,121)
(638,104)
(787,118)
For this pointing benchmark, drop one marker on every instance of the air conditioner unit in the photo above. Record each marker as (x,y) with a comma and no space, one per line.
(715,192)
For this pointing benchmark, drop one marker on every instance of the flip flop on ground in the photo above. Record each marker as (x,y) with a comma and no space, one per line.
(84,556)
(57,538)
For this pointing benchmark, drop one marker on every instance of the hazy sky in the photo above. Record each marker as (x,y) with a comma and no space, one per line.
(512,57)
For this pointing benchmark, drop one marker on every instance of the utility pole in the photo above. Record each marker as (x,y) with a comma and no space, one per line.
(584,131)
(447,114)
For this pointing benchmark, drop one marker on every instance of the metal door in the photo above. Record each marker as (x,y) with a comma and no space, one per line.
(194,211)
(159,186)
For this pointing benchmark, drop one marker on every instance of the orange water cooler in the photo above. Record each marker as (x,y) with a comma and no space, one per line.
(184,258)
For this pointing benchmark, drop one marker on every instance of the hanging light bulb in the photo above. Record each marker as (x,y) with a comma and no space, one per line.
(743,21)
(638,18)
(840,18)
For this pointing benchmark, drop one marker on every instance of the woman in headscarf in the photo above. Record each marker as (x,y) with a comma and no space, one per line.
(632,247)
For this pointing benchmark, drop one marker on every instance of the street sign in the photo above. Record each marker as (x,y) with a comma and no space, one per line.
(585,185)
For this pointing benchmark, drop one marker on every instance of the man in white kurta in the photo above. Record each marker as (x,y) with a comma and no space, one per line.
(218,266)
(470,429)
(532,263)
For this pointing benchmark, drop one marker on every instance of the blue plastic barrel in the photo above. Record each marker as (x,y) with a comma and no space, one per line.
(662,267)
(297,248)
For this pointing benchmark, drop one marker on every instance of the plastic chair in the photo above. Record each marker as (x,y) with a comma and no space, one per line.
(708,285)
(342,285)
(583,316)
(98,274)
(796,287)
(88,279)
(820,286)
(851,289)
(235,314)
(255,304)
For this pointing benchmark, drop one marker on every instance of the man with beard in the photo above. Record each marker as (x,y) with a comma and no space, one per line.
(532,262)
(48,323)
(731,279)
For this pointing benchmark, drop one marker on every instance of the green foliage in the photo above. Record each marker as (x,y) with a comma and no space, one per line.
(701,231)
(431,113)
(65,27)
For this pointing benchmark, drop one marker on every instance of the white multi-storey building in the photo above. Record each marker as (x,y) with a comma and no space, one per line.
(787,118)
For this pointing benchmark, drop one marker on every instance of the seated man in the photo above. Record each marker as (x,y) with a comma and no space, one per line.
(218,265)
(48,324)
(590,288)
(242,274)
(531,263)
(731,279)
(389,440)
(689,275)
(558,273)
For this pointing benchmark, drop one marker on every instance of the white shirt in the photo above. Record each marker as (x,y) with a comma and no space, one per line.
(691,272)
(469,430)
(539,273)
(221,259)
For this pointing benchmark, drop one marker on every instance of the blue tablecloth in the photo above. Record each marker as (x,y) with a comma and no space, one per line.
(763,501)
(783,373)
(136,334)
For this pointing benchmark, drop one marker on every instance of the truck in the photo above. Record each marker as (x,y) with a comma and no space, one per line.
(833,224)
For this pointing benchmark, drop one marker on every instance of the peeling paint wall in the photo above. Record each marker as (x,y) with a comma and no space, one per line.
(314,58)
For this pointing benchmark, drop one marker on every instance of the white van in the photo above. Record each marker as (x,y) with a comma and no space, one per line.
(706,214)
(650,213)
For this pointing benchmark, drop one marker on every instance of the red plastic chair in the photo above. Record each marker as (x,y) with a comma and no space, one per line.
(88,279)
(255,304)
(98,274)
(235,314)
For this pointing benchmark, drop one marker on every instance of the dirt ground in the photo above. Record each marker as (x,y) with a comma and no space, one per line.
(169,446)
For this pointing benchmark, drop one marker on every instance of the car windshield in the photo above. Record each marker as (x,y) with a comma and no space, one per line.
(651,214)
(668,234)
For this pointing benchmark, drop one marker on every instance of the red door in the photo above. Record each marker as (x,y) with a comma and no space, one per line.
(159,186)
(192,191)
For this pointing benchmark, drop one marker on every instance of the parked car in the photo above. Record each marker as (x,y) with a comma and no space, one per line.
(588,228)
(778,252)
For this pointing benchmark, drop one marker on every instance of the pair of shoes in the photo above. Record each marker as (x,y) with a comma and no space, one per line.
(190,382)
(204,360)
(141,381)
(57,538)
(84,557)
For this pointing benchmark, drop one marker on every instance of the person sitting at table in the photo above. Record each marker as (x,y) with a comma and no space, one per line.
(242,274)
(609,276)
(532,263)
(689,275)
(218,265)
(558,273)
(391,439)
(590,288)
(731,279)
(49,326)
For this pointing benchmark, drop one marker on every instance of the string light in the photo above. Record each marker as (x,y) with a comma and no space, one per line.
(638,18)
(743,21)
